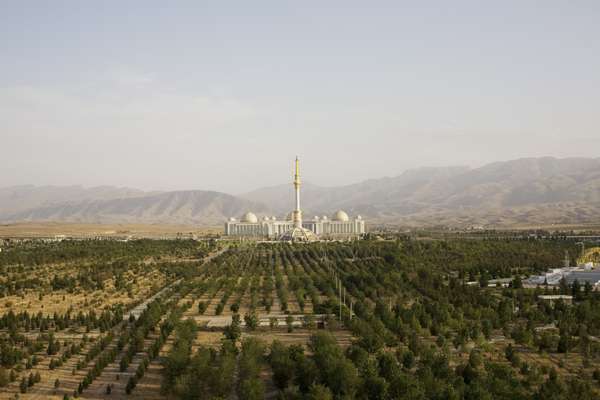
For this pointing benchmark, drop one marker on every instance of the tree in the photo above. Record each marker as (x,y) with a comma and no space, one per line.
(53,346)
(552,389)
(376,387)
(233,330)
(273,322)
(319,392)
(251,321)
(131,383)
(517,283)
(56,383)
(388,366)
(509,352)
(483,279)
(307,373)
(31,380)
(342,378)
(23,385)
(282,365)
(252,389)
(563,287)
(563,342)
(289,320)
(408,359)
(4,378)
(475,359)
(308,321)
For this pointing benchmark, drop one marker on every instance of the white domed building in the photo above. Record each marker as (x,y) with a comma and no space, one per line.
(249,218)
(294,228)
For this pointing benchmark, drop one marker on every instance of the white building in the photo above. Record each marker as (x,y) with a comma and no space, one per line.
(294,228)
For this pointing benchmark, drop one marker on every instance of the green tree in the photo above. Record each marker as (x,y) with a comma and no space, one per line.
(251,321)
(552,389)
(289,320)
(273,322)
(517,283)
(282,365)
(408,359)
(319,392)
(563,342)
(308,321)
(252,389)
(233,331)
(23,385)
(4,378)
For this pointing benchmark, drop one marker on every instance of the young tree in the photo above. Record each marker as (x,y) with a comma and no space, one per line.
(23,385)
(233,330)
(517,283)
(319,392)
(563,342)
(289,320)
(552,389)
(282,365)
(4,378)
(408,359)
(31,380)
(308,321)
(252,389)
(251,321)
(53,345)
(273,322)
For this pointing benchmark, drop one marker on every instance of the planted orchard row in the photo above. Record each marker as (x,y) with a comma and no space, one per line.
(167,326)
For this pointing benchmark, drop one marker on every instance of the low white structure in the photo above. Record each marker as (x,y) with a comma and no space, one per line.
(339,226)
(294,228)
(552,298)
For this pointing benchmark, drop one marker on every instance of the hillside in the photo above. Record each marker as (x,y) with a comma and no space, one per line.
(16,199)
(530,191)
(182,207)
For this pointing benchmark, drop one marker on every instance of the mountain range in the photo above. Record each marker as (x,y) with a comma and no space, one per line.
(529,191)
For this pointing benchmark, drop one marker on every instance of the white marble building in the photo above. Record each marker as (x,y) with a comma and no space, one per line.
(294,228)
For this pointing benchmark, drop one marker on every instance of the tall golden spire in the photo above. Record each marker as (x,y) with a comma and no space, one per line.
(297,175)
(297,214)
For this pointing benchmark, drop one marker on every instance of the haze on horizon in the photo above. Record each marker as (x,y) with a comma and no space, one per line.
(222,96)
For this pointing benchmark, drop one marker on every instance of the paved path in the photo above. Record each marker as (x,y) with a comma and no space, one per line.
(221,321)
(139,309)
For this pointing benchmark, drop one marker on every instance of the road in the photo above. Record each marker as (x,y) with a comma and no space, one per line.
(139,309)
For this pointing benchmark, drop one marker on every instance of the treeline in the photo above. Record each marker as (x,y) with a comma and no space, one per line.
(91,320)
(384,280)
(39,253)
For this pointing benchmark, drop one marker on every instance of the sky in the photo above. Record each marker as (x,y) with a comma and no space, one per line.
(223,95)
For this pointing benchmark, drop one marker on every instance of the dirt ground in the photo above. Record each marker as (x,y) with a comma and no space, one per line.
(52,229)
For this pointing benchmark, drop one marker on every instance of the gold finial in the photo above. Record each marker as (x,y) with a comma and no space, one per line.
(297,166)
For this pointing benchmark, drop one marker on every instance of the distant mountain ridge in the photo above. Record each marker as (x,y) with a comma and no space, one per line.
(529,190)
(15,199)
(181,207)
(518,192)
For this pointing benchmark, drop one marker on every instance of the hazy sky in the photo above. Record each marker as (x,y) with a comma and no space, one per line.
(222,95)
